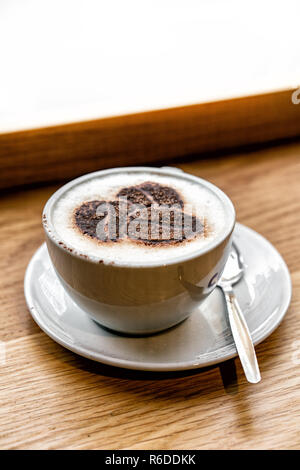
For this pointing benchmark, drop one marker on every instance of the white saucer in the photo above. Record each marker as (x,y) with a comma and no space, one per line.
(203,339)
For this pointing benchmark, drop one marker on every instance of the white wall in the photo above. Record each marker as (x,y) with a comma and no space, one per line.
(67,60)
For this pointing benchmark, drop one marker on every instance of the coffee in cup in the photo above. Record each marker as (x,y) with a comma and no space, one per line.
(138,249)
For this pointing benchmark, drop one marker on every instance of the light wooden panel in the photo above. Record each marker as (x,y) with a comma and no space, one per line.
(63,152)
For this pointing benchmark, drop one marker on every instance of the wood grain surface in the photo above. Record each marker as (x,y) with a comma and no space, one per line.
(65,151)
(52,399)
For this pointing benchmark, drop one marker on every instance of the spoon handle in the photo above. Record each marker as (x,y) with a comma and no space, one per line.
(242,338)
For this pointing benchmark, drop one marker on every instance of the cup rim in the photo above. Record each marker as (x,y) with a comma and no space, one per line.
(171,171)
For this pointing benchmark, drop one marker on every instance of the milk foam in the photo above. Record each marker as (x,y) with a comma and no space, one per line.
(201,201)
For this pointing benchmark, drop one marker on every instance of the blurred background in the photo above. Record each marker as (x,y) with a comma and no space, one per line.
(93,84)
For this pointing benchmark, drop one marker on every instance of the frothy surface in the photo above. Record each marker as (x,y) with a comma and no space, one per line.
(195,200)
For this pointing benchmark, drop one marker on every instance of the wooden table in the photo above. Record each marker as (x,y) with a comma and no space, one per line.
(53,399)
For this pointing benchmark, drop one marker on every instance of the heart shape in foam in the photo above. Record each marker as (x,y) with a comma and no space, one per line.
(148,213)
